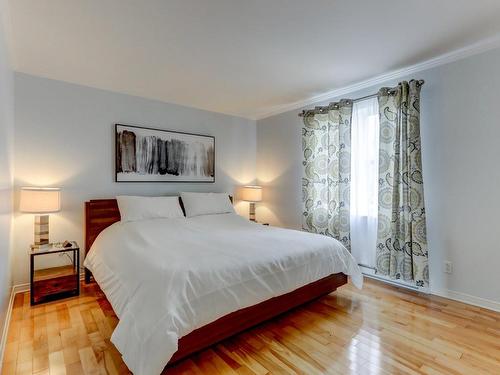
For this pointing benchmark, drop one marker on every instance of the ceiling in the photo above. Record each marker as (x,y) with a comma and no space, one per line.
(241,57)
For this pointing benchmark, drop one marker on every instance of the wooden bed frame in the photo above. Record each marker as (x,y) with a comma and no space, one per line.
(101,213)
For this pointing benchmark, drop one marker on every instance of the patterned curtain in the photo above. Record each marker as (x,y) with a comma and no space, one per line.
(401,238)
(326,144)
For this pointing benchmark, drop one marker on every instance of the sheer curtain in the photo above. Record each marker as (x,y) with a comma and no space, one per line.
(364,181)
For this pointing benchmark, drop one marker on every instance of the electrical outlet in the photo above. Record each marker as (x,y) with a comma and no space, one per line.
(448,267)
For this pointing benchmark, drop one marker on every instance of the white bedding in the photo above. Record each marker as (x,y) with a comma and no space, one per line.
(167,277)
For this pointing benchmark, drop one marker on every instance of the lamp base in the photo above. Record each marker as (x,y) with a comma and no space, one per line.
(251,211)
(41,230)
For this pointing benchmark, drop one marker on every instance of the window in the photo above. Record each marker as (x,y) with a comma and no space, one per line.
(364,180)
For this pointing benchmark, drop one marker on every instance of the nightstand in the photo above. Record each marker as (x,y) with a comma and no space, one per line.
(50,284)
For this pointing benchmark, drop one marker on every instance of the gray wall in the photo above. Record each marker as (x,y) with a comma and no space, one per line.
(64,137)
(460,119)
(6,130)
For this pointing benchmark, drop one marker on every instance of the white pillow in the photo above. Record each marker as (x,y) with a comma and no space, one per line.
(140,208)
(196,204)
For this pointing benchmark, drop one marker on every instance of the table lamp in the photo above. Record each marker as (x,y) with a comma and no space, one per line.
(251,194)
(40,201)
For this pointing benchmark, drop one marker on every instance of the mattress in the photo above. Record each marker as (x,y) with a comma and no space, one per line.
(168,277)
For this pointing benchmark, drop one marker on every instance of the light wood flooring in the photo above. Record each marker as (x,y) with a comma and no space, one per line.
(379,330)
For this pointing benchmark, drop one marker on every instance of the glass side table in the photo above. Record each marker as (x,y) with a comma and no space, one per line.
(53,283)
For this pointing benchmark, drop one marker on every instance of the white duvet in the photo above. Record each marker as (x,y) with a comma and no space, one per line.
(168,277)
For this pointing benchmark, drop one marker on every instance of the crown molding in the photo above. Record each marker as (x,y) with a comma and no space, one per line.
(459,54)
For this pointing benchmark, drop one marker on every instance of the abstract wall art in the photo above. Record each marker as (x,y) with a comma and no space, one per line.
(155,155)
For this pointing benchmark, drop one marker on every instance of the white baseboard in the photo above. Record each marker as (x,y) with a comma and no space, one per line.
(396,283)
(20,288)
(468,299)
(5,330)
(450,294)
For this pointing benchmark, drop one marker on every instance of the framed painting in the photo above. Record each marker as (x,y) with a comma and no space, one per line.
(155,155)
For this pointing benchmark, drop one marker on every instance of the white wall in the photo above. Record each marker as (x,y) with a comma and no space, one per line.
(6,131)
(65,137)
(460,120)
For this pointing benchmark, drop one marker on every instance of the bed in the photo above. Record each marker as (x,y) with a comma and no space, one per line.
(181,285)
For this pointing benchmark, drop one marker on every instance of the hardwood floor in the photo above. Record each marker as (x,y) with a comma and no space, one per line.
(379,330)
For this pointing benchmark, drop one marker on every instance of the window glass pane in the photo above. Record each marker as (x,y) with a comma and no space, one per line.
(364,180)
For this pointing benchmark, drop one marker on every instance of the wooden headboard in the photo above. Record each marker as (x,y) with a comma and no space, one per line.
(99,214)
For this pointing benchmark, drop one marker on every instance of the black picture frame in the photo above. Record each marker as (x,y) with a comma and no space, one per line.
(127,177)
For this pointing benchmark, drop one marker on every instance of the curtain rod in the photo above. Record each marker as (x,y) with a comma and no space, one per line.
(327,107)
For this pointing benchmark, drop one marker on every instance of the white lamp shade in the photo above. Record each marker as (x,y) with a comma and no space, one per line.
(40,200)
(251,193)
